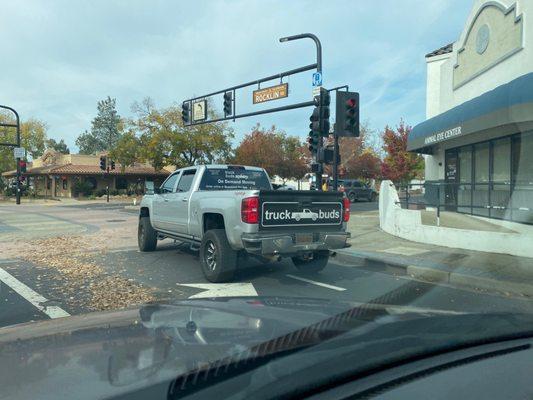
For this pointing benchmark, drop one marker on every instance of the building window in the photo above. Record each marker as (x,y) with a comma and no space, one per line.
(464,192)
(121,183)
(48,183)
(522,196)
(91,180)
(481,179)
(500,196)
(65,184)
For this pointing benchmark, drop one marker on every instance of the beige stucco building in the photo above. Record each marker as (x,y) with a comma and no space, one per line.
(478,137)
(62,175)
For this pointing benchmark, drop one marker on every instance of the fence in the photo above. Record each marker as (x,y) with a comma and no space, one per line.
(512,201)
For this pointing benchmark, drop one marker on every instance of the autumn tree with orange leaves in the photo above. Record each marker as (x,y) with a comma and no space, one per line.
(400,165)
(281,155)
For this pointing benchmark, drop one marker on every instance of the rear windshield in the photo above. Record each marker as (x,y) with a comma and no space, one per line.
(234,178)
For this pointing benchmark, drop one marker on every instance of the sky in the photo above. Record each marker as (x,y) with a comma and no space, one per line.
(58,58)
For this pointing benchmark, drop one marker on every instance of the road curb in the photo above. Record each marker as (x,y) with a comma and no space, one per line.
(438,273)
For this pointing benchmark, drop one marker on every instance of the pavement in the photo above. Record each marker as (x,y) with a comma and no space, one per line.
(477,270)
(69,259)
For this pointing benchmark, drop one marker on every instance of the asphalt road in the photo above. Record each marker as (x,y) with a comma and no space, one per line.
(172,272)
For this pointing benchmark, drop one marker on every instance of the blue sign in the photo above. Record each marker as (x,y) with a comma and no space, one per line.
(317,79)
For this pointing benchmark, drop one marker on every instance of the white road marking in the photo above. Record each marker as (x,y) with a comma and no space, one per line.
(31,296)
(340,289)
(222,289)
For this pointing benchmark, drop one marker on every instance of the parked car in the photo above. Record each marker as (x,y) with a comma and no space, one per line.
(357,190)
(227,211)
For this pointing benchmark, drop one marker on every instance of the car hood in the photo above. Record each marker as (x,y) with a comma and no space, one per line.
(105,354)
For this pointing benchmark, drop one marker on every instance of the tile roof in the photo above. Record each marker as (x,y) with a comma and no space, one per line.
(443,50)
(70,169)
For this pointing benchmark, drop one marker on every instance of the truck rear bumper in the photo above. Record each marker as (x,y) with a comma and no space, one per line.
(289,244)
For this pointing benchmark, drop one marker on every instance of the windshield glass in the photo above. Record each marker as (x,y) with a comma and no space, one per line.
(189,184)
(231,179)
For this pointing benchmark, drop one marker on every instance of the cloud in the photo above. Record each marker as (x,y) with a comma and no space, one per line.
(60,57)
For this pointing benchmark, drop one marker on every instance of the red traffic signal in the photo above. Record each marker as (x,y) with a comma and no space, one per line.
(347,114)
(103,162)
(22,166)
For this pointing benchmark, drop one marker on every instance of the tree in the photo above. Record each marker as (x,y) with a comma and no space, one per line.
(274,151)
(127,150)
(400,165)
(60,146)
(367,165)
(32,138)
(106,129)
(165,141)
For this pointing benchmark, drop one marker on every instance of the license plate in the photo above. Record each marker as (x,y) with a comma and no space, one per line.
(304,238)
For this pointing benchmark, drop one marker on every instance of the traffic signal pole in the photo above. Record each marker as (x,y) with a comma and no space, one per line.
(17,144)
(318,174)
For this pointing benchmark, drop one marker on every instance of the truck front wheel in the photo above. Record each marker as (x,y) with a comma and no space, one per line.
(146,235)
(314,263)
(218,259)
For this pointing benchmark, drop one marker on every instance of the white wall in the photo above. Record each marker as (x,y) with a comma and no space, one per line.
(407,224)
(433,84)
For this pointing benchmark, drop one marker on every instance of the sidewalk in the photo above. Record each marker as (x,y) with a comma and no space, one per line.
(478,270)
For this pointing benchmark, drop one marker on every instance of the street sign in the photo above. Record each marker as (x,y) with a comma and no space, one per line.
(199,110)
(271,93)
(317,79)
(316,91)
(19,152)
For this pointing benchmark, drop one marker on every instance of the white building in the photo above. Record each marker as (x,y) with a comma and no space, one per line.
(478,136)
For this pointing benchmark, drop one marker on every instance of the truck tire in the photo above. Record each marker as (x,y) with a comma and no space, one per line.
(352,197)
(218,259)
(317,263)
(373,197)
(146,235)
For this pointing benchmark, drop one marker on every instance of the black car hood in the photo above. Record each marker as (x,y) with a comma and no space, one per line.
(105,354)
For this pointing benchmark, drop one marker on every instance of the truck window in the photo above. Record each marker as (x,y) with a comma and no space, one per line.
(234,178)
(184,185)
(168,185)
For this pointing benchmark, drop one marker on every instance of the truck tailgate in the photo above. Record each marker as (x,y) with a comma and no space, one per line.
(298,210)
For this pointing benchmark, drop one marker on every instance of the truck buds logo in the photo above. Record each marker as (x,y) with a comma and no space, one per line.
(305,214)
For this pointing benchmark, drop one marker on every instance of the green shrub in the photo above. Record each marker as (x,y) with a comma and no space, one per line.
(100,192)
(83,188)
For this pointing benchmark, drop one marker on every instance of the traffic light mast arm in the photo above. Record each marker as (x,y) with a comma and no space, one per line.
(317,43)
(250,114)
(256,82)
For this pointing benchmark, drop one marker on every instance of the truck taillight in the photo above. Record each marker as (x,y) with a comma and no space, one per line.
(250,210)
(346,209)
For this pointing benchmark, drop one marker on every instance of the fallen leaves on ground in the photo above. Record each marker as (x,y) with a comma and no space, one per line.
(69,257)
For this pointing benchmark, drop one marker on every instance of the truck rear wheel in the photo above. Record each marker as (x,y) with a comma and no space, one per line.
(317,262)
(146,235)
(218,259)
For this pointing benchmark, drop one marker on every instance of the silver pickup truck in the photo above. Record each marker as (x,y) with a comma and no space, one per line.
(231,212)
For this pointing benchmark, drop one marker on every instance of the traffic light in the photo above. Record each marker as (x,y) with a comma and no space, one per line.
(228,108)
(324,101)
(103,162)
(185,112)
(314,133)
(23,166)
(112,164)
(347,114)
(327,155)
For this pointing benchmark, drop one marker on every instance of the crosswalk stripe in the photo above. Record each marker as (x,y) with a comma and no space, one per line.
(31,296)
